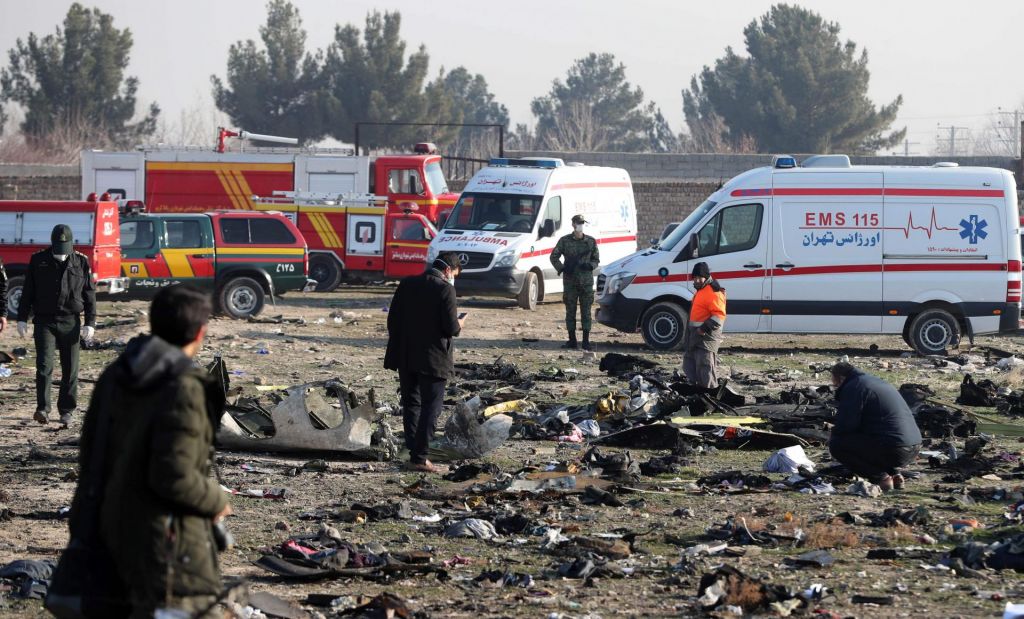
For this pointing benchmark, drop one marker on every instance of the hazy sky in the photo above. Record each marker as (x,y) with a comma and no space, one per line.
(953,62)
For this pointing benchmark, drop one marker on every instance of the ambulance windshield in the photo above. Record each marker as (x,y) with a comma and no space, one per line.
(682,231)
(494,212)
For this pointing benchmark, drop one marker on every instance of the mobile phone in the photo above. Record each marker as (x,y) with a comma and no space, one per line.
(462,315)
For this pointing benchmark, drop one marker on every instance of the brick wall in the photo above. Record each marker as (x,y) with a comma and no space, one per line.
(40,182)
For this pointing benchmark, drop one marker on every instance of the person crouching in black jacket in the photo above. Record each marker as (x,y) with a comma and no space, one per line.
(422,321)
(874,432)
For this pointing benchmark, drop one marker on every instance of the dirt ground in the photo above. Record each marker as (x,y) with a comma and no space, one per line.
(33,482)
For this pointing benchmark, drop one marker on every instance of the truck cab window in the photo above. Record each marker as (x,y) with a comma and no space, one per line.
(408,230)
(136,234)
(184,234)
(405,181)
(735,228)
(234,230)
(266,231)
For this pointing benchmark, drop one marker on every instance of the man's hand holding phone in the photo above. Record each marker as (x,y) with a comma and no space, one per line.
(462,319)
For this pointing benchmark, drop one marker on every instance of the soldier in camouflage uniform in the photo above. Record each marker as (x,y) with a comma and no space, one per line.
(577,271)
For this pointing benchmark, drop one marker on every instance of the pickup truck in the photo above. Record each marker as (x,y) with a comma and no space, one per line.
(242,257)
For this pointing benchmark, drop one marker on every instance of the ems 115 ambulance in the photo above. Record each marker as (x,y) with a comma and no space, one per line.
(512,213)
(927,252)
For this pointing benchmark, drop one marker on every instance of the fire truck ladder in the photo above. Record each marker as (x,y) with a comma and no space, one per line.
(312,198)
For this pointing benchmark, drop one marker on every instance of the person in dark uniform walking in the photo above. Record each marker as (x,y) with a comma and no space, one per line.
(3,297)
(577,271)
(422,320)
(58,289)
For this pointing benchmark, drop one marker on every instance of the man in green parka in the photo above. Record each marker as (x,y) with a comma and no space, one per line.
(159,503)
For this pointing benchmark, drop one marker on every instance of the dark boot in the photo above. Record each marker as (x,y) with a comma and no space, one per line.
(571,344)
(586,341)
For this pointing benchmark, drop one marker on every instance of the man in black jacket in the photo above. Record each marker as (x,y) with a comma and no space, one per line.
(58,290)
(874,432)
(3,297)
(422,321)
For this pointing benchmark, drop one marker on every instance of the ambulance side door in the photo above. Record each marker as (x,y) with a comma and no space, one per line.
(827,253)
(734,243)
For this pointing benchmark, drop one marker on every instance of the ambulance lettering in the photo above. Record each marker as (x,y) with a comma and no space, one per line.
(462,241)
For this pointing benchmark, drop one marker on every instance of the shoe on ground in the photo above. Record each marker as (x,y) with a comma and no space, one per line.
(425,467)
(65,419)
(898,481)
(588,346)
(886,484)
(41,417)
(571,345)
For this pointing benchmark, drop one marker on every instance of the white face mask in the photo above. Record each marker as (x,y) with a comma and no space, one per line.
(61,257)
(577,228)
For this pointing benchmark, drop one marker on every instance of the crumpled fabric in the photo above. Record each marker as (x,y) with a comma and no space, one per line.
(471,527)
(788,460)
(575,435)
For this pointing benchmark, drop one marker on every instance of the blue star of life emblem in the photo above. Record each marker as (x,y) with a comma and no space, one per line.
(973,229)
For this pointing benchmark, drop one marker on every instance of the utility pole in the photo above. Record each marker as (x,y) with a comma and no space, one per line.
(950,147)
(906,146)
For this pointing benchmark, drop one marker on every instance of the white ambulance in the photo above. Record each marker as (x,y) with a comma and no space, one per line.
(512,213)
(927,252)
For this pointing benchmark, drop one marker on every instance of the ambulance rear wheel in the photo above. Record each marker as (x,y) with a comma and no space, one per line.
(663,326)
(326,271)
(14,288)
(242,297)
(529,294)
(933,331)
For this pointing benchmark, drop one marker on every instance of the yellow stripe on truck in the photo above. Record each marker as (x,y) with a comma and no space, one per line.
(177,260)
(331,231)
(191,166)
(229,190)
(277,251)
(246,189)
(318,225)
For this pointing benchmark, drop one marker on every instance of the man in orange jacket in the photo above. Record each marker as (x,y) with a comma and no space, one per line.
(704,330)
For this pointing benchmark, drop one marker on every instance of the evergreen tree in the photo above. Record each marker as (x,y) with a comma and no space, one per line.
(71,84)
(370,79)
(800,90)
(469,101)
(596,109)
(275,89)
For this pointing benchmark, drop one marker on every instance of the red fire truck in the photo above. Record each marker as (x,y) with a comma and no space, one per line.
(360,233)
(197,180)
(25,227)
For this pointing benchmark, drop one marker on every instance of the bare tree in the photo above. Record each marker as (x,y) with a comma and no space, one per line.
(710,134)
(1001,135)
(575,129)
(196,124)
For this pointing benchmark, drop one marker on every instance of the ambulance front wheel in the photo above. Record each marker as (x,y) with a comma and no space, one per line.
(933,331)
(242,297)
(529,294)
(663,326)
(326,271)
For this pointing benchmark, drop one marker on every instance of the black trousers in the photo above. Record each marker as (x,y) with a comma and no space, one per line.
(863,455)
(422,398)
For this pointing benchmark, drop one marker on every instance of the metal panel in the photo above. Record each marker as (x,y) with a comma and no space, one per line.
(8,227)
(97,164)
(36,227)
(320,173)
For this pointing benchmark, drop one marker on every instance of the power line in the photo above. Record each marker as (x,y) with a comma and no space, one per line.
(946,140)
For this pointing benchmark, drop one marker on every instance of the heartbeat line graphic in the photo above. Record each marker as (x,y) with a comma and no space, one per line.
(930,229)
